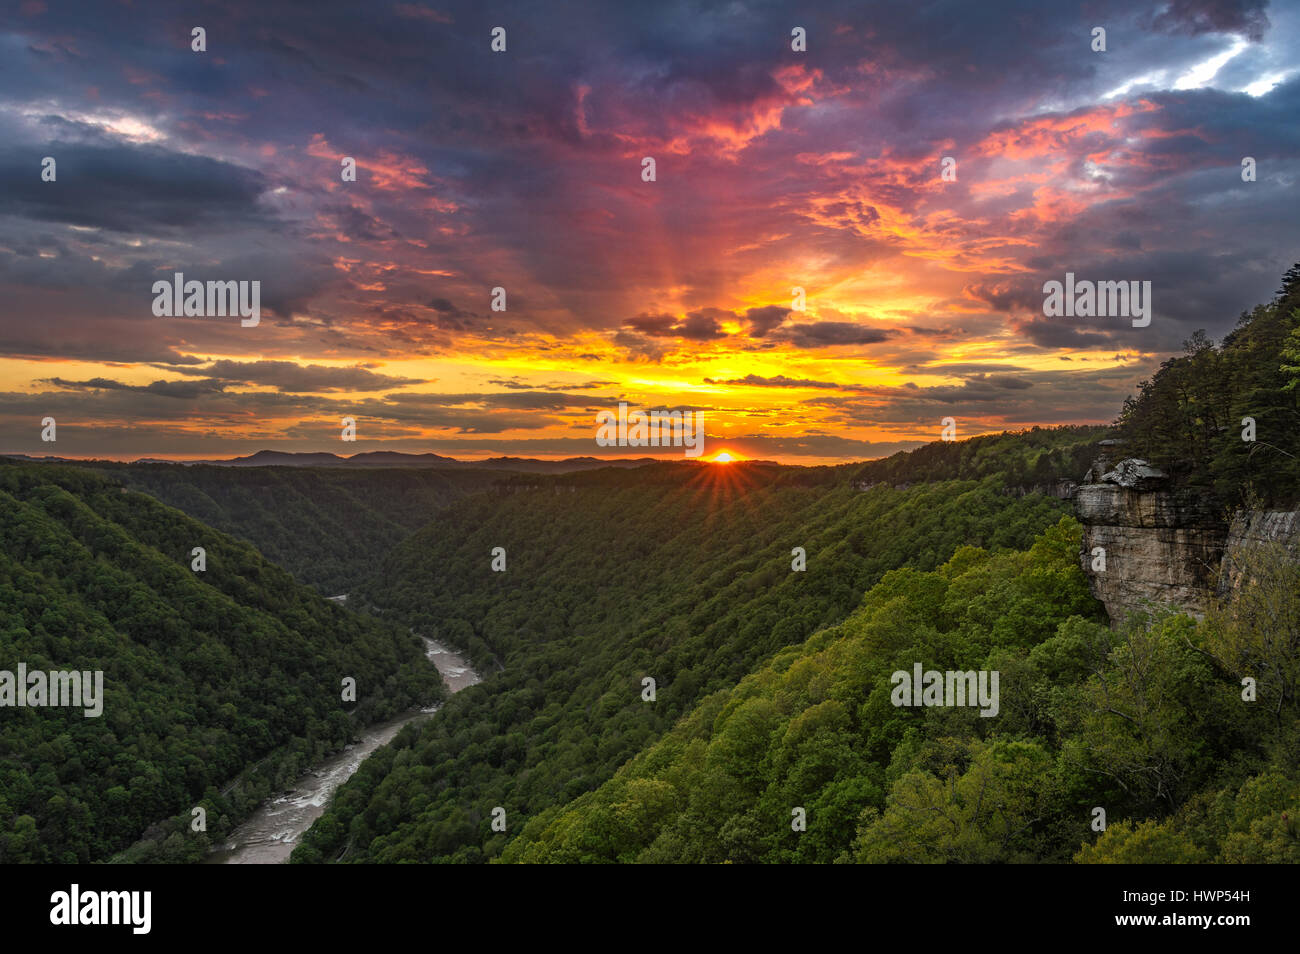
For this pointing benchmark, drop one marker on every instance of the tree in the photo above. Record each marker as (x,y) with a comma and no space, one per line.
(1256,633)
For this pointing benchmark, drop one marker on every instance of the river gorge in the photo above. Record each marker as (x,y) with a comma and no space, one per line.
(271,833)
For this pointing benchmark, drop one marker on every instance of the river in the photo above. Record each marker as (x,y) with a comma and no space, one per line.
(271,833)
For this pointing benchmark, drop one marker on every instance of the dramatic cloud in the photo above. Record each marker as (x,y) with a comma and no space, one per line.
(780,381)
(823,334)
(300,379)
(499,239)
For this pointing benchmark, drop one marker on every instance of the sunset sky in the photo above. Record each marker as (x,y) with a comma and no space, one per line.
(523,169)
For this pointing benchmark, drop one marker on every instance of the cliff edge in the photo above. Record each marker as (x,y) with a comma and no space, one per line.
(1148,544)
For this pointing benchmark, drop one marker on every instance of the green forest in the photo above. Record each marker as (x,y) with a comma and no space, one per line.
(219,686)
(1190,417)
(1144,722)
(328,527)
(680,573)
(1030,460)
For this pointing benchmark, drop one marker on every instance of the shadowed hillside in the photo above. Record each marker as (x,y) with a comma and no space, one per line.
(204,674)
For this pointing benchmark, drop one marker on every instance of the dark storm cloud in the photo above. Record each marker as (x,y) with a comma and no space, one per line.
(515,384)
(1193,17)
(995,400)
(960,368)
(656,326)
(823,334)
(1009,296)
(136,189)
(664,62)
(512,400)
(450,317)
(287,52)
(764,319)
(698,326)
(207,405)
(357,224)
(638,347)
(186,390)
(296,378)
(778,381)
(105,349)
(695,326)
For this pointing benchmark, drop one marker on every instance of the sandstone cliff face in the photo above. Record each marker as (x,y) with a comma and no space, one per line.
(1165,546)
(1251,529)
(1161,547)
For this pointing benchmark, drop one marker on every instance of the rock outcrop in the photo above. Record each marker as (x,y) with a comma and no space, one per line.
(1165,546)
(1252,529)
(1159,546)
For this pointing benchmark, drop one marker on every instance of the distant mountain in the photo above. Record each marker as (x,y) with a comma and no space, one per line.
(270,458)
(39,460)
(568,465)
(395,458)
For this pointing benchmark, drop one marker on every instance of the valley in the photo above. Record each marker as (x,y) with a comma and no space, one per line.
(270,834)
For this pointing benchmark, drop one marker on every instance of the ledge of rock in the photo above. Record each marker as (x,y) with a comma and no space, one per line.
(1134,475)
(1165,545)
(1162,546)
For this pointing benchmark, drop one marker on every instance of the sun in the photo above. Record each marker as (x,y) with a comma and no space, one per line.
(724,457)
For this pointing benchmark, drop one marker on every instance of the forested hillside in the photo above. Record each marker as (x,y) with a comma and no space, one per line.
(1189,419)
(328,527)
(677,572)
(1034,458)
(1147,724)
(206,675)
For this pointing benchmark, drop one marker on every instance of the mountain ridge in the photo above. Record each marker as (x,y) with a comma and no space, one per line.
(372,459)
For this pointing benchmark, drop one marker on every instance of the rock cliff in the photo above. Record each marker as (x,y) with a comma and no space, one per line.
(1163,545)
(1251,529)
(1145,544)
